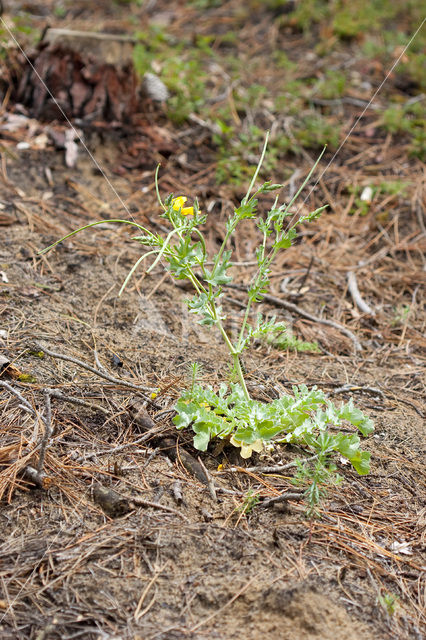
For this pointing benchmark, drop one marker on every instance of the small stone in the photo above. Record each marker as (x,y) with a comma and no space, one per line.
(154,88)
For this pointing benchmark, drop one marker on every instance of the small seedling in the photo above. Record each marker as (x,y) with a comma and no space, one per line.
(287,341)
(316,475)
(306,417)
(401,315)
(250,501)
(389,602)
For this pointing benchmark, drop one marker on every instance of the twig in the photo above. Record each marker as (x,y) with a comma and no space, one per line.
(345,100)
(210,482)
(211,126)
(160,415)
(54,393)
(116,504)
(54,35)
(119,449)
(16,393)
(101,374)
(177,491)
(98,363)
(48,431)
(140,502)
(111,502)
(295,495)
(25,406)
(38,478)
(151,456)
(293,307)
(410,404)
(356,296)
(275,469)
(352,387)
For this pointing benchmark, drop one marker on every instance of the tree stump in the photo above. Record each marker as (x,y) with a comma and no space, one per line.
(80,75)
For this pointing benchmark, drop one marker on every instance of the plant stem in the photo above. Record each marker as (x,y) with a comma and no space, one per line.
(222,248)
(245,200)
(235,354)
(259,164)
(238,369)
(88,226)
(243,327)
(157,189)
(164,247)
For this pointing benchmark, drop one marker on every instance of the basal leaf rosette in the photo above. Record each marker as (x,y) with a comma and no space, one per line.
(305,418)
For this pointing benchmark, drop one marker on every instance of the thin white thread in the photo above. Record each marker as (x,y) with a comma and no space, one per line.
(79,137)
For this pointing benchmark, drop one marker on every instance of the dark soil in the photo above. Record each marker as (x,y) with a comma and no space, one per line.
(72,565)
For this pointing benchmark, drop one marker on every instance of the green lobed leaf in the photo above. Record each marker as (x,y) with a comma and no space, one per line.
(347,445)
(246,210)
(268,186)
(286,241)
(356,417)
(183,257)
(217,276)
(200,304)
(202,438)
(361,462)
(298,418)
(150,240)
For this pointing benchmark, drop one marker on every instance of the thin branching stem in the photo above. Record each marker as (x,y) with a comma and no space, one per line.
(256,173)
(88,226)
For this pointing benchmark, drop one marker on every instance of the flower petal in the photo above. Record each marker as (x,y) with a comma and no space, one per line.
(179,202)
(247,449)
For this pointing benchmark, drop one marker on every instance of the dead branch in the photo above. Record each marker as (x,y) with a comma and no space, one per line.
(295,309)
(113,503)
(48,431)
(210,481)
(35,476)
(351,387)
(55,393)
(264,469)
(25,404)
(356,296)
(141,502)
(143,419)
(284,497)
(100,374)
(116,504)
(177,491)
(38,478)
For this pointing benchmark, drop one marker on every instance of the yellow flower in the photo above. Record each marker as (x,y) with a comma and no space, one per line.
(153,395)
(247,449)
(178,203)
